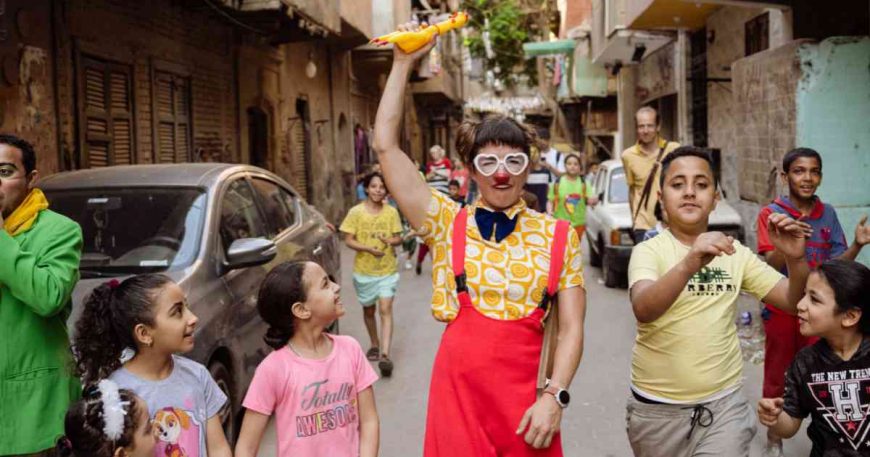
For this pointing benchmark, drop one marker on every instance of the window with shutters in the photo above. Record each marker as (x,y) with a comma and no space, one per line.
(172,132)
(105,121)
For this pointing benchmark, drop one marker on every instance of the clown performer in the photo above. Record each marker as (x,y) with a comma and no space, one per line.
(493,282)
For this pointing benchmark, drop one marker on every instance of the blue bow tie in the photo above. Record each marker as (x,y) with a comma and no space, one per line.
(488,220)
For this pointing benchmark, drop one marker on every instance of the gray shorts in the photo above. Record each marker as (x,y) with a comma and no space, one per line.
(658,430)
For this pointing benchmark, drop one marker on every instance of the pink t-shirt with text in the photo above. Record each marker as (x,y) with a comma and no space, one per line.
(314,401)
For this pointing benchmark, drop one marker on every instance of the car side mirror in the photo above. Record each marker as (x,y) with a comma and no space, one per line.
(249,252)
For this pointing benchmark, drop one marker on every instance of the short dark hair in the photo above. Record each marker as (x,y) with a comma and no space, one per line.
(367,180)
(453,182)
(850,281)
(797,153)
(687,151)
(28,154)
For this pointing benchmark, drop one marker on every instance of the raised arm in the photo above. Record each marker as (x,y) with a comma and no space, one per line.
(650,299)
(411,194)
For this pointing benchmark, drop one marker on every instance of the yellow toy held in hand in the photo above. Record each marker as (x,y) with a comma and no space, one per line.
(412,41)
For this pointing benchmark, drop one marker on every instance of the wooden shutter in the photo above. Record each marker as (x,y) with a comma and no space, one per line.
(106,113)
(172,117)
(300,159)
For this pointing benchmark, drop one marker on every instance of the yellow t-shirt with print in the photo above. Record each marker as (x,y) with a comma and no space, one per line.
(366,226)
(691,352)
(505,280)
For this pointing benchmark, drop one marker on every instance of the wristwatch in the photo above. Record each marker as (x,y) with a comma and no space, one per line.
(561,395)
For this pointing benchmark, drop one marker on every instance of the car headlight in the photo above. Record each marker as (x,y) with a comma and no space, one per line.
(620,238)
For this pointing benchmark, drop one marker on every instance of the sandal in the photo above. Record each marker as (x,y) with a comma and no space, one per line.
(386,367)
(373,354)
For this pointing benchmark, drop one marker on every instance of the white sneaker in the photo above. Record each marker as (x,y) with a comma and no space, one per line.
(772,449)
(408,265)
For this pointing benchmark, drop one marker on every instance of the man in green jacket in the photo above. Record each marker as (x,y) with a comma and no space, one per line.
(39,266)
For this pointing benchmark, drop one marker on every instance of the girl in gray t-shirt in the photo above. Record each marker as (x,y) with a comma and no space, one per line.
(131,332)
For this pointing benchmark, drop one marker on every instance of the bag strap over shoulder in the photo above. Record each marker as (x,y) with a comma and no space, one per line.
(647,186)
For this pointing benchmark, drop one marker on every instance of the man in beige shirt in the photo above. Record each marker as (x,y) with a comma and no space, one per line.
(640,161)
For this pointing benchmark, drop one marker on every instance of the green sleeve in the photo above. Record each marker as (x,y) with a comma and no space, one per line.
(42,280)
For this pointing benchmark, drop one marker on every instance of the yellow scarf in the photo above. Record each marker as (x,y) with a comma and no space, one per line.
(25,215)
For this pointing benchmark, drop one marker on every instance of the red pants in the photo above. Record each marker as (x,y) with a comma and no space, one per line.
(483,382)
(421,253)
(783,341)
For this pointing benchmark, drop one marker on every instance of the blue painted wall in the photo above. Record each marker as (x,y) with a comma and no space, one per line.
(833,117)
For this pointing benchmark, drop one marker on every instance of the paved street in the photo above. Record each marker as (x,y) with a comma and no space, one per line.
(594,424)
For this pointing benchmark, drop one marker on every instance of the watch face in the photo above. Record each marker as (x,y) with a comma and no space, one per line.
(564,397)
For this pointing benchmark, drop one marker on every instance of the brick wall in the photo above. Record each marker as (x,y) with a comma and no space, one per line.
(764,87)
(726,26)
(148,36)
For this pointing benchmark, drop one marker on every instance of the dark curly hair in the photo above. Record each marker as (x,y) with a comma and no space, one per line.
(850,282)
(494,130)
(84,424)
(110,314)
(281,288)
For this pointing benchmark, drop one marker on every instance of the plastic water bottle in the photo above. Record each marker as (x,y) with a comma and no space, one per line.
(746,318)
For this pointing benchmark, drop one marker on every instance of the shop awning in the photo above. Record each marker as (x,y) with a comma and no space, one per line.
(549,48)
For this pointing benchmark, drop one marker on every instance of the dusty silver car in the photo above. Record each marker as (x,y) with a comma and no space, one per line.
(608,224)
(215,229)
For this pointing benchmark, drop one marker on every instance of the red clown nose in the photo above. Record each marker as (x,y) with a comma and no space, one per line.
(501,177)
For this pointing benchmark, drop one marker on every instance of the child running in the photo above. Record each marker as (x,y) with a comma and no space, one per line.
(802,173)
(568,196)
(829,380)
(131,332)
(107,422)
(686,372)
(318,386)
(373,229)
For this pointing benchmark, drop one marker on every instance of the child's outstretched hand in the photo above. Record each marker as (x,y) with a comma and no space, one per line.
(788,235)
(769,410)
(862,232)
(707,247)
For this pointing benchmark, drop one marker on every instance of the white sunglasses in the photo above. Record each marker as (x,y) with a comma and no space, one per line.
(515,163)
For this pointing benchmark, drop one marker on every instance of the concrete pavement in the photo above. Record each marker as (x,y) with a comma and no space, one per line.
(594,424)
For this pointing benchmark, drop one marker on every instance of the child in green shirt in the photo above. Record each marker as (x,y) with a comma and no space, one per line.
(568,196)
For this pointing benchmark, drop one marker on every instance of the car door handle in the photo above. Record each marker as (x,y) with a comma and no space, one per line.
(318,250)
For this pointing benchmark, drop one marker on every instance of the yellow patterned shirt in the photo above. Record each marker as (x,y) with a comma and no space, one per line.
(505,280)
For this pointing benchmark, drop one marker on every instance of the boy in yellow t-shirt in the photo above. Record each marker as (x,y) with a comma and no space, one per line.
(686,369)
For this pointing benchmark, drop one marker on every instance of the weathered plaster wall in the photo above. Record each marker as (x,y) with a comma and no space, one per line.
(833,117)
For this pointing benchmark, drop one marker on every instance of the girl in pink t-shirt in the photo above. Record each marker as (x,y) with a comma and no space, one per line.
(318,386)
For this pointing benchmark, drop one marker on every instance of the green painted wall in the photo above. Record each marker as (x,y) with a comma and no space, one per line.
(833,117)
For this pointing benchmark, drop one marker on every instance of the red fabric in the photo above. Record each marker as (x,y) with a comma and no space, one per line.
(764,244)
(463,178)
(444,162)
(422,252)
(783,341)
(484,377)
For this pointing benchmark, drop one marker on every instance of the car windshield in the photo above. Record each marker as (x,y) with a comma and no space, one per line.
(134,230)
(618,188)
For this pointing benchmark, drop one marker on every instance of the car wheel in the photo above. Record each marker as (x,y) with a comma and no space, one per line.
(594,255)
(611,278)
(224,381)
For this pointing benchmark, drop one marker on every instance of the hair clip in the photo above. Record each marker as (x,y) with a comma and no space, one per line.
(113,410)
(113,284)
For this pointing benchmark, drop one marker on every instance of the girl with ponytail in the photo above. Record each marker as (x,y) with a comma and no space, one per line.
(317,385)
(107,422)
(131,332)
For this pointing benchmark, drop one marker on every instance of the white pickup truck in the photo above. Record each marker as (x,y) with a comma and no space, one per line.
(608,224)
